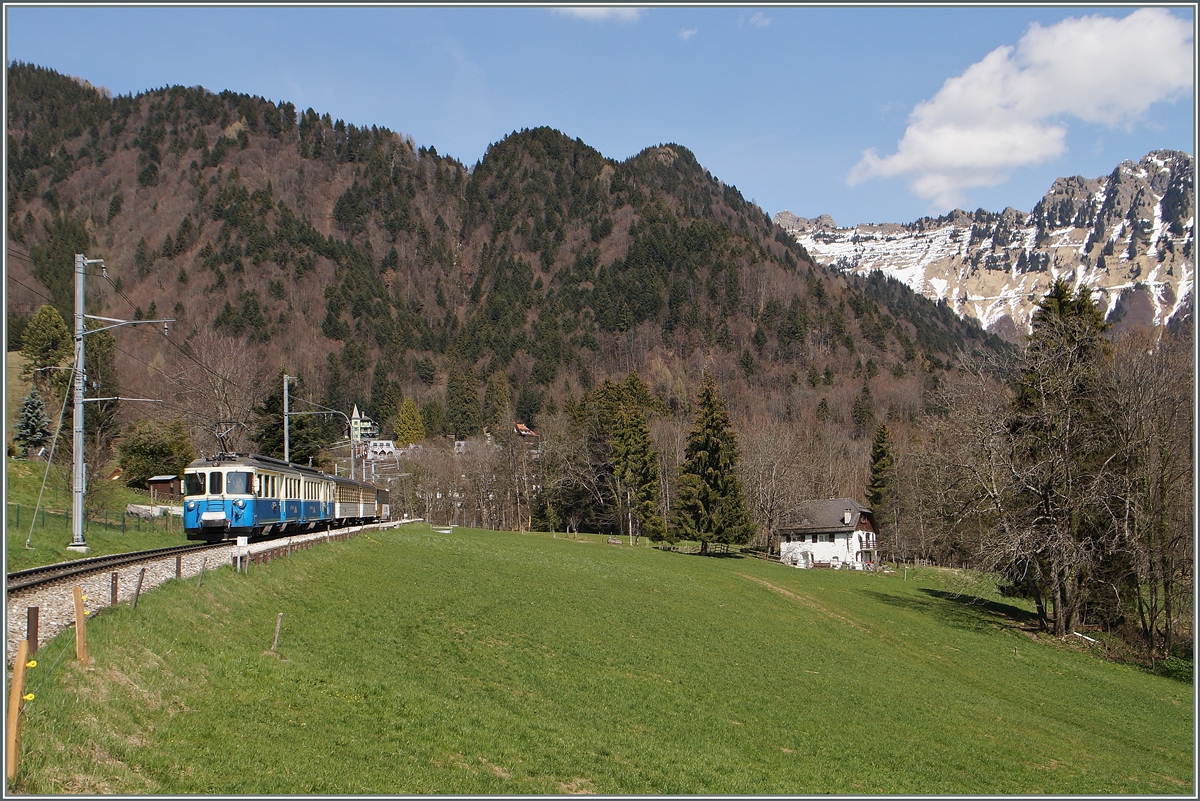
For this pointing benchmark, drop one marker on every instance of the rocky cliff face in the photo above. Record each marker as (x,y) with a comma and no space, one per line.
(1129,237)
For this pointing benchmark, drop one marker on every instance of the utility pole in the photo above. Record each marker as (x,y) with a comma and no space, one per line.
(79,469)
(286,448)
(324,410)
(80,381)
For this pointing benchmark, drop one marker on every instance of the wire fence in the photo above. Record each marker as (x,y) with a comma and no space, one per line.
(111,521)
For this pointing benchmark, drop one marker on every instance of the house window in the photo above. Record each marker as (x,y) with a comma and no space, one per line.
(814,537)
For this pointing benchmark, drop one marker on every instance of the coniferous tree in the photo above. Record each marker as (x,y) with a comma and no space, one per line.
(433,415)
(497,401)
(410,427)
(711,506)
(33,426)
(879,486)
(386,395)
(635,466)
(47,343)
(881,467)
(462,406)
(1062,443)
(863,412)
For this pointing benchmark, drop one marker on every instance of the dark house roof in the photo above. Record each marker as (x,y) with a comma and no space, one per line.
(828,516)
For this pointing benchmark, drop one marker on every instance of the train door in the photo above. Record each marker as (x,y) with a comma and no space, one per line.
(267,498)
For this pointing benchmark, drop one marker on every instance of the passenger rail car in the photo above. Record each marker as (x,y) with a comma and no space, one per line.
(231,495)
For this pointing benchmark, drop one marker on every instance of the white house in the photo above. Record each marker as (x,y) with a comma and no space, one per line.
(836,533)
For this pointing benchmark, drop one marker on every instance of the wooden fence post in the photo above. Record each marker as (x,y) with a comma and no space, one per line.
(16,696)
(178,565)
(203,564)
(137,591)
(278,623)
(80,628)
(31,628)
(113,595)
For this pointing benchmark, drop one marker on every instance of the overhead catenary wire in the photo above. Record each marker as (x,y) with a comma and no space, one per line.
(117,289)
(173,343)
(183,351)
(31,289)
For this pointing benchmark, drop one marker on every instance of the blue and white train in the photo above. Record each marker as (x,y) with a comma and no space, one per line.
(243,495)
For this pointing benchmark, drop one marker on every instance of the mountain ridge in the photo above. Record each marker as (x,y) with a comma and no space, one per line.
(1127,236)
(371,269)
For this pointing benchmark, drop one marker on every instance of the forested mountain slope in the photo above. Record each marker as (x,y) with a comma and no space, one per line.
(375,269)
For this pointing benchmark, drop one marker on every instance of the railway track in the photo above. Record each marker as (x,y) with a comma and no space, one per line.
(36,576)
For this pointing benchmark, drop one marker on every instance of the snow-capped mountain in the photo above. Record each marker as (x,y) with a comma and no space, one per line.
(1129,237)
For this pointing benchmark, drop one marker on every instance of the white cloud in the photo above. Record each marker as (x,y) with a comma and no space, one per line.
(601,13)
(687,33)
(1010,109)
(759,19)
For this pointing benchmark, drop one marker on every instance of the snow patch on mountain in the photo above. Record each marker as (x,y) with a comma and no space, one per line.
(1130,233)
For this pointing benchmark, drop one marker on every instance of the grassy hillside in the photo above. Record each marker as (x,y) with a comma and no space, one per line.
(50,532)
(488,662)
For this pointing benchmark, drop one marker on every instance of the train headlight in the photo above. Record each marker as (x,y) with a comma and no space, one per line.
(191,505)
(239,504)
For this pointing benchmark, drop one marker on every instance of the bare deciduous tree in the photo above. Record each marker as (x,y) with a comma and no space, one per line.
(217,385)
(1148,491)
(772,473)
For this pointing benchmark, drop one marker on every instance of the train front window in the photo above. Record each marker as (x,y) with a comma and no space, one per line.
(193,484)
(214,483)
(237,483)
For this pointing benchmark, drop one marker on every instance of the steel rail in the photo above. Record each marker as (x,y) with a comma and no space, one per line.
(34,576)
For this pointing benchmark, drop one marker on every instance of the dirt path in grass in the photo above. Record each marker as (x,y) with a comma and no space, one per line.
(811,603)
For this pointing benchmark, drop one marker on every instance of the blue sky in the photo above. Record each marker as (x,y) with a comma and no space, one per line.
(879,114)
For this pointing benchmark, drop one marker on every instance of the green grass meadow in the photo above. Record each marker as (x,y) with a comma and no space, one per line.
(49,531)
(484,662)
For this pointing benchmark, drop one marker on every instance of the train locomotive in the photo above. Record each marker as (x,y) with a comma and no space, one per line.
(245,495)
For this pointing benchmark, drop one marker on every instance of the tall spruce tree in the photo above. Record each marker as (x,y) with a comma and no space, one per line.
(462,405)
(433,415)
(33,426)
(879,490)
(386,394)
(882,461)
(635,467)
(497,401)
(711,506)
